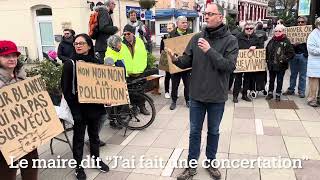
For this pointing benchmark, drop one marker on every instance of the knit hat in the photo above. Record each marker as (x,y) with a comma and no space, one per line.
(129,28)
(8,47)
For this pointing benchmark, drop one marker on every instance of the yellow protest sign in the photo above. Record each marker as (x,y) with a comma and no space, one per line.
(251,61)
(27,118)
(101,84)
(298,34)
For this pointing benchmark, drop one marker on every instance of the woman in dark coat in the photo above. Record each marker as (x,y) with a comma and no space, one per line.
(84,115)
(278,53)
(246,40)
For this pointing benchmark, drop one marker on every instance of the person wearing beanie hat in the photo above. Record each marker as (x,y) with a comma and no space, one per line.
(135,60)
(11,72)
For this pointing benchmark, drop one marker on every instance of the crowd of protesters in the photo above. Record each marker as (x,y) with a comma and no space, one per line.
(211,54)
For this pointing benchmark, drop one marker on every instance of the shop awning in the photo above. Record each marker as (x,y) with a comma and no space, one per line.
(164,13)
(184,12)
(167,13)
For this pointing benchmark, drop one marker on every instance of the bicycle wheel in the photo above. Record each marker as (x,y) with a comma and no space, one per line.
(137,120)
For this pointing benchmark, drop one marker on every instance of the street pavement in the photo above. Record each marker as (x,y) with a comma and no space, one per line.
(248,130)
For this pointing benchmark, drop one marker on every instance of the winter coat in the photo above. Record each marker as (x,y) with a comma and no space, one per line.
(313,45)
(70,92)
(245,42)
(105,30)
(278,54)
(65,49)
(211,70)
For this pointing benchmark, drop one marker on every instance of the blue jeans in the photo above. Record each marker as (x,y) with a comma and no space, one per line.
(197,113)
(298,65)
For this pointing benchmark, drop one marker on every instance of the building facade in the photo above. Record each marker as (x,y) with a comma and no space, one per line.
(253,10)
(36,25)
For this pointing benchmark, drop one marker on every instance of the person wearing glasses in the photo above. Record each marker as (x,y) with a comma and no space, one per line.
(246,40)
(212,54)
(182,29)
(313,70)
(105,28)
(66,49)
(298,65)
(84,115)
(134,54)
(278,53)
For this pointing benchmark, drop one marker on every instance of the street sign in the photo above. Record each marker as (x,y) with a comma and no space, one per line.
(148,15)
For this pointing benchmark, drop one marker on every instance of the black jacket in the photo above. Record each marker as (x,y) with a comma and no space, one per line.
(278,54)
(65,49)
(106,29)
(246,42)
(211,70)
(301,49)
(175,33)
(162,42)
(262,35)
(67,79)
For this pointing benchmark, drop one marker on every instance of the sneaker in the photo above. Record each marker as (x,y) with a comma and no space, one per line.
(214,172)
(288,93)
(101,143)
(302,95)
(313,104)
(102,166)
(246,98)
(173,106)
(235,100)
(80,174)
(187,174)
(144,111)
(269,96)
(278,98)
(167,95)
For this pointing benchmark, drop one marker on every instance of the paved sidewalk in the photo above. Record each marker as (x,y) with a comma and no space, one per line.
(248,131)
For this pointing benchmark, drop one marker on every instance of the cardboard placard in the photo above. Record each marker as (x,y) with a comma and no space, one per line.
(177,45)
(27,118)
(101,84)
(251,61)
(298,34)
(163,62)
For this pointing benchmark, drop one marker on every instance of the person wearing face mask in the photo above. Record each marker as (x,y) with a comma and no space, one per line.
(212,54)
(278,53)
(313,67)
(246,40)
(11,71)
(105,28)
(66,49)
(84,115)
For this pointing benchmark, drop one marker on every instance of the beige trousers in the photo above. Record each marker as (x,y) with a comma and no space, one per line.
(313,89)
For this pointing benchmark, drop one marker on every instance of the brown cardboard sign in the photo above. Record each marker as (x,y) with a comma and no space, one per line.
(27,118)
(178,46)
(101,84)
(163,62)
(251,61)
(298,34)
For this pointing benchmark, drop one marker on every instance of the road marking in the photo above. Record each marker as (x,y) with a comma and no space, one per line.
(259,127)
(129,138)
(173,158)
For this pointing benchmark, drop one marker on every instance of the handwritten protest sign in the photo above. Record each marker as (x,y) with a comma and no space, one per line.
(101,84)
(251,61)
(177,45)
(27,118)
(298,34)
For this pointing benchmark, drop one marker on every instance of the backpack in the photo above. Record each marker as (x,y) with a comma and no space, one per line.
(93,25)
